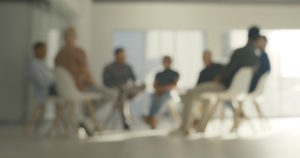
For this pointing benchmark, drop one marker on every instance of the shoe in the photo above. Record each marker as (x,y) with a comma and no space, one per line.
(151,121)
(88,132)
(126,127)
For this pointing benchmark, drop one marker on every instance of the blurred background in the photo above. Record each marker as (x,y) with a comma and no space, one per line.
(148,30)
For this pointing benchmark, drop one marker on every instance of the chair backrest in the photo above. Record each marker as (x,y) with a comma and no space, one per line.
(259,89)
(241,81)
(65,83)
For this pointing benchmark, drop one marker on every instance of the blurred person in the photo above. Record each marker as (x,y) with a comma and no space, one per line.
(42,80)
(208,74)
(164,83)
(241,57)
(211,70)
(264,62)
(74,60)
(119,76)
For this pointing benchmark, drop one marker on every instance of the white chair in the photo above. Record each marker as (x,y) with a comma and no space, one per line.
(67,89)
(236,92)
(256,96)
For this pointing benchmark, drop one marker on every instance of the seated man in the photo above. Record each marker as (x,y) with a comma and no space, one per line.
(211,70)
(165,81)
(119,75)
(242,57)
(42,80)
(74,59)
(264,63)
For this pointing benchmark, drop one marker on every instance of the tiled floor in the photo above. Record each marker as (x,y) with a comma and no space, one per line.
(283,141)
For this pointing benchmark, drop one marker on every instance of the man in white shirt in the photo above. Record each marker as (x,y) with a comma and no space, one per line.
(42,80)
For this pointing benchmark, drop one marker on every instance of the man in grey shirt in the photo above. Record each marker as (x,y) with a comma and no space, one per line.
(119,75)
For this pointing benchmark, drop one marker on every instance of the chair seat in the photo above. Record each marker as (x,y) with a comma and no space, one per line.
(89,96)
(226,95)
(54,98)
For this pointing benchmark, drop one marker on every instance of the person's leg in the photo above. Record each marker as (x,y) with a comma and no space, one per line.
(191,96)
(120,103)
(157,103)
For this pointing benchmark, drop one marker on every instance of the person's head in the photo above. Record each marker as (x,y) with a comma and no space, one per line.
(262,43)
(207,57)
(120,56)
(39,50)
(70,36)
(167,62)
(253,34)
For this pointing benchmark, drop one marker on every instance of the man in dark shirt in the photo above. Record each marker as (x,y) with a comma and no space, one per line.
(119,76)
(164,83)
(243,57)
(211,69)
(118,73)
(264,63)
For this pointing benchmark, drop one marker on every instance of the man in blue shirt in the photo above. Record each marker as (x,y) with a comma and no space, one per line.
(242,57)
(264,63)
(164,83)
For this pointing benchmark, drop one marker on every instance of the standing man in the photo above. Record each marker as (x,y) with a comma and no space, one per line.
(119,75)
(211,70)
(242,57)
(264,62)
(164,83)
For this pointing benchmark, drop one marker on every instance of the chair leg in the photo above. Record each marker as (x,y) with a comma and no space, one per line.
(33,118)
(92,115)
(110,117)
(58,118)
(132,115)
(207,118)
(174,113)
(261,115)
(236,120)
(71,122)
(240,116)
(222,116)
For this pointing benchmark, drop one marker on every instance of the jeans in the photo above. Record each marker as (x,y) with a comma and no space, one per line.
(157,102)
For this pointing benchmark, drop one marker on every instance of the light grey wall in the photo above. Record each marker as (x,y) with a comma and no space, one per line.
(14,33)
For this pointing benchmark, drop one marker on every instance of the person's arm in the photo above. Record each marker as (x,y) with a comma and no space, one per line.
(87,77)
(132,76)
(107,79)
(200,79)
(230,68)
(165,88)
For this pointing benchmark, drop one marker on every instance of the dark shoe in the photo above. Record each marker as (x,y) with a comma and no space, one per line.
(151,121)
(126,127)
(86,129)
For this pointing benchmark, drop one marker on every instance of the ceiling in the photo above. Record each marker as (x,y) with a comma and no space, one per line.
(212,1)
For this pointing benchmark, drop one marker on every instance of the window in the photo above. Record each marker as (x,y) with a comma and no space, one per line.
(146,49)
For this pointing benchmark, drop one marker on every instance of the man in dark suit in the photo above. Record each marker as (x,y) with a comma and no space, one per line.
(242,57)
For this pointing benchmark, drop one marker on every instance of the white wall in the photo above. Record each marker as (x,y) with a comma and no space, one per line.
(214,19)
